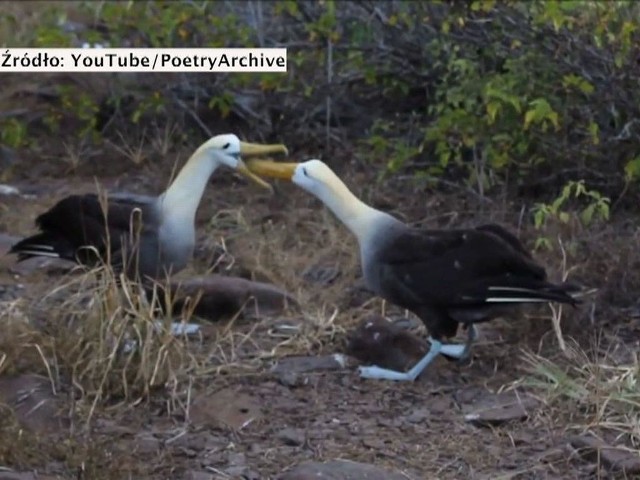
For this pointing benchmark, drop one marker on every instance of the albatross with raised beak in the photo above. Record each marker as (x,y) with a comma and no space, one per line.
(445,277)
(146,237)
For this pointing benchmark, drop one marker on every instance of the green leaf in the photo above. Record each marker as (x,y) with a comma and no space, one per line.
(542,242)
(528,118)
(493,92)
(632,169)
(492,111)
(541,111)
(580,83)
(587,214)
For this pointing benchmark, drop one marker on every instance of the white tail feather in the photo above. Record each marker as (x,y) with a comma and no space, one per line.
(38,253)
(515,300)
(513,289)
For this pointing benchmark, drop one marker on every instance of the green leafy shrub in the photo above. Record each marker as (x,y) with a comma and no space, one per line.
(529,95)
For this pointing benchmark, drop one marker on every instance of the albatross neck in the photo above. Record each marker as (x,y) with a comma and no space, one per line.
(361,219)
(180,201)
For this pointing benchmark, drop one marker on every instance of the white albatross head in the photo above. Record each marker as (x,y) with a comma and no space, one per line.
(317,178)
(229,150)
(314,176)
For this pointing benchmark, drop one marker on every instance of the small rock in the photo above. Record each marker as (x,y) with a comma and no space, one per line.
(147,444)
(470,395)
(615,459)
(498,409)
(292,437)
(291,379)
(33,402)
(419,415)
(340,470)
(321,274)
(440,404)
(224,408)
(377,341)
(238,459)
(197,475)
(222,297)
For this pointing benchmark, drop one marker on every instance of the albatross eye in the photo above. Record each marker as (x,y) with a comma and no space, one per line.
(226,145)
(304,171)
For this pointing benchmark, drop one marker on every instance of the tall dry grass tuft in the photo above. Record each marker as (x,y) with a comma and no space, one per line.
(110,339)
(98,333)
(97,341)
(591,390)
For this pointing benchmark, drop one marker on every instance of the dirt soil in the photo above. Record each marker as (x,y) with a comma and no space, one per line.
(233,416)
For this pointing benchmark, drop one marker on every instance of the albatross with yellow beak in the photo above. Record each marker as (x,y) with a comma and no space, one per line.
(79,226)
(446,277)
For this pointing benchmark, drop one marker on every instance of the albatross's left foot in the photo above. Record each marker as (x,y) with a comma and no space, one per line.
(461,352)
(453,350)
(380,373)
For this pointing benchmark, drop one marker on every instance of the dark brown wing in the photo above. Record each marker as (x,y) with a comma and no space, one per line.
(506,236)
(459,268)
(79,221)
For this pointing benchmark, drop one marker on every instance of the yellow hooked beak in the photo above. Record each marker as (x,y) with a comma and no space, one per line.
(251,149)
(244,170)
(269,168)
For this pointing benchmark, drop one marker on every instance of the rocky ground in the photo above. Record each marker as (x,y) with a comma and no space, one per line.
(271,394)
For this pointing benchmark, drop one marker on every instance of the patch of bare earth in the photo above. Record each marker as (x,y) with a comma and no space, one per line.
(261,394)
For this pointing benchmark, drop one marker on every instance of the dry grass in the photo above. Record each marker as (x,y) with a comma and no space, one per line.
(591,391)
(73,342)
(98,336)
(81,331)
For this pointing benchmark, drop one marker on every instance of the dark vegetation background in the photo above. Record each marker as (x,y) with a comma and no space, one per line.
(515,96)
(446,113)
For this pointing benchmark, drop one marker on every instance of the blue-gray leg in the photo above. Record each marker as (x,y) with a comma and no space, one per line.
(411,375)
(460,352)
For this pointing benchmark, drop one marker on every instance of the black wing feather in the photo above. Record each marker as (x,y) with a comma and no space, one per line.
(505,235)
(454,268)
(77,222)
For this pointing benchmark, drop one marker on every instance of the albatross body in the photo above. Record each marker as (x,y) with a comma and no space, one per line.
(446,277)
(143,236)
